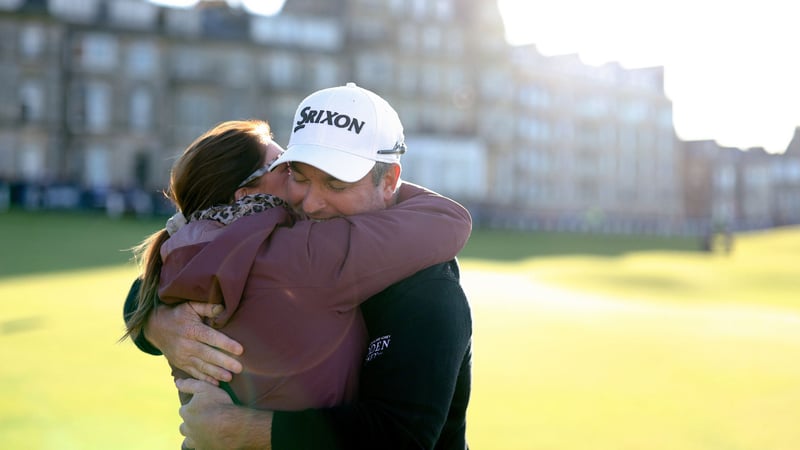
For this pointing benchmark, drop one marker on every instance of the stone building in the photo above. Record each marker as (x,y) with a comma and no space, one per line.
(101,95)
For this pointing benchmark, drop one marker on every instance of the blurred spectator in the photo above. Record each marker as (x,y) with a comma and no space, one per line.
(5,196)
(115,204)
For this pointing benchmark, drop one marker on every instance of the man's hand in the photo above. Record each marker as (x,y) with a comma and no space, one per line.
(192,346)
(211,420)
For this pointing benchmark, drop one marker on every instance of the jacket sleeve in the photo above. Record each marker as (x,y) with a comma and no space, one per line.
(130,306)
(341,262)
(406,393)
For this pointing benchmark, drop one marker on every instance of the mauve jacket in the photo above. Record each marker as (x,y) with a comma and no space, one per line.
(291,290)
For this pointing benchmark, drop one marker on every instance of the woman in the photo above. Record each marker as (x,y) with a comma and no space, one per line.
(291,289)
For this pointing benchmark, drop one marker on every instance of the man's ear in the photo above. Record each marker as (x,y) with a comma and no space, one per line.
(391,179)
(241,192)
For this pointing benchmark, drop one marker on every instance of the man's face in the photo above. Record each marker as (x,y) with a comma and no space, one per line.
(320,196)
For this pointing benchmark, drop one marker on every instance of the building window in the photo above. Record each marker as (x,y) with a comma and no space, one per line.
(431,81)
(195,112)
(142,59)
(497,124)
(454,43)
(532,128)
(141,112)
(374,69)
(133,13)
(792,171)
(407,79)
(456,79)
(504,182)
(187,22)
(430,117)
(431,39)
(31,161)
(407,37)
(74,10)
(725,178)
(324,34)
(191,63)
(398,7)
(238,69)
(532,96)
(634,111)
(419,8)
(443,10)
(368,29)
(97,169)
(647,143)
(32,41)
(279,105)
(665,116)
(594,106)
(496,85)
(627,138)
(325,73)
(448,120)
(238,104)
(98,107)
(281,69)
(407,110)
(31,102)
(99,52)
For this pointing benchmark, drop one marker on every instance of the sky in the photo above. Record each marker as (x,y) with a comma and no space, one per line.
(731,67)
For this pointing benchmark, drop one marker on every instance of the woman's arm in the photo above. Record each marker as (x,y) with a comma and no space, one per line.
(341,262)
(336,263)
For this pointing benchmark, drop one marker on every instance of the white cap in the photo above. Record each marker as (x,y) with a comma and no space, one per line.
(343,131)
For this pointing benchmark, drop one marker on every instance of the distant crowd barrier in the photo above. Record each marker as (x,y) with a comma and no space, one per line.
(118,202)
(115,202)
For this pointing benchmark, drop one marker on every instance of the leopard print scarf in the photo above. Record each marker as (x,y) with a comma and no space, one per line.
(227,214)
(245,206)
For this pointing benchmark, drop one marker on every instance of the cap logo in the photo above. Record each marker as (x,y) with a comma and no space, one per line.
(332,118)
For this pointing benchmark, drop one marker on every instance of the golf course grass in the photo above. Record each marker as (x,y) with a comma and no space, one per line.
(632,343)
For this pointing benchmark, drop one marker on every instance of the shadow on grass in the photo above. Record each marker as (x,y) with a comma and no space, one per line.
(21,325)
(39,242)
(509,246)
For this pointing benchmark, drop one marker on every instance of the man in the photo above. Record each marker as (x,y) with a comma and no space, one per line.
(344,153)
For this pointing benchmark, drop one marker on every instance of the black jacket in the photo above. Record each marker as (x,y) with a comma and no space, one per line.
(415,383)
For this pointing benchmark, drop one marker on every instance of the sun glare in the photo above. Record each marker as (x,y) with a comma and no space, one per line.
(729,68)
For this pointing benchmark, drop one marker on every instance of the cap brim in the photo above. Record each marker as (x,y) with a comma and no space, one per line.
(337,163)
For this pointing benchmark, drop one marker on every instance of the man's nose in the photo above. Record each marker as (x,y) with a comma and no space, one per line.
(312,202)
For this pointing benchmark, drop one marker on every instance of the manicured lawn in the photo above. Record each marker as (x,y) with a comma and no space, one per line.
(56,241)
(618,347)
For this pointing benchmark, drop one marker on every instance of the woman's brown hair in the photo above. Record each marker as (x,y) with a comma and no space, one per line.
(207,173)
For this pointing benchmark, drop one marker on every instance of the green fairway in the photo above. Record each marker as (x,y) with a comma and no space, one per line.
(632,344)
(56,241)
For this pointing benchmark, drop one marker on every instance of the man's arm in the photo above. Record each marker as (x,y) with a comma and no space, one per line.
(211,420)
(189,344)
